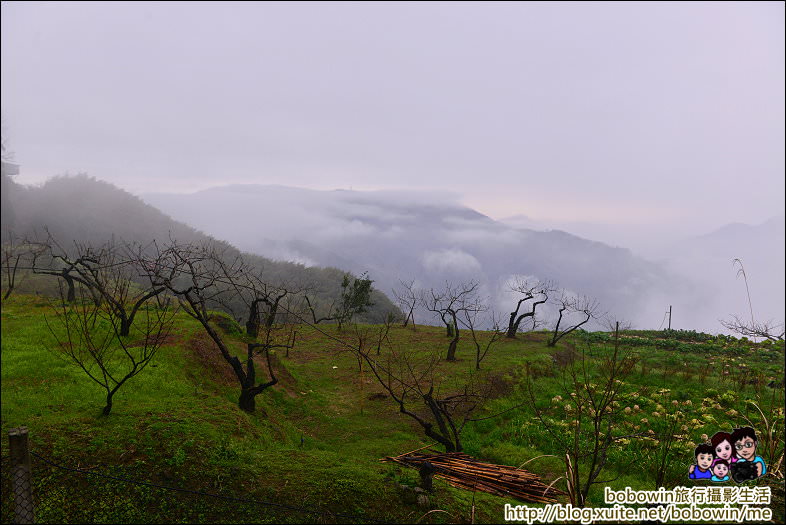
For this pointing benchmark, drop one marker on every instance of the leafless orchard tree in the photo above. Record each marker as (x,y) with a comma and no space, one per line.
(111,272)
(255,303)
(314,306)
(537,292)
(767,330)
(201,276)
(483,343)
(17,258)
(50,258)
(573,308)
(114,272)
(440,407)
(449,303)
(89,335)
(407,300)
(384,330)
(614,324)
(376,336)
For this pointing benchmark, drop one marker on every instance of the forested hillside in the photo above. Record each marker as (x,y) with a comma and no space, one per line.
(85,210)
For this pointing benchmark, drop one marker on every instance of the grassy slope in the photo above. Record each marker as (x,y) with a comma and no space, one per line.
(317,437)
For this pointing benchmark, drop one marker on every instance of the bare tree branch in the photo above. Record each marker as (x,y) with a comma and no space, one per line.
(768,329)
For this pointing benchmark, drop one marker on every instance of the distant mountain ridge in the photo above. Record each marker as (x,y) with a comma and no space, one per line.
(401,235)
(773,227)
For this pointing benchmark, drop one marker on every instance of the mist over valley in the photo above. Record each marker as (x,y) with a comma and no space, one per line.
(431,238)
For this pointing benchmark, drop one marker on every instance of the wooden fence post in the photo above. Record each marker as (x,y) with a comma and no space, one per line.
(22,481)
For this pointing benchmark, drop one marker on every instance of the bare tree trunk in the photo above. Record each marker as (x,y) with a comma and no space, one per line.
(513,326)
(11,274)
(554,338)
(125,325)
(453,342)
(513,330)
(252,324)
(247,401)
(71,296)
(449,445)
(108,407)
(273,310)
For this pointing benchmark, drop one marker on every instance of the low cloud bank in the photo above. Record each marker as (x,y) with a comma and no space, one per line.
(432,238)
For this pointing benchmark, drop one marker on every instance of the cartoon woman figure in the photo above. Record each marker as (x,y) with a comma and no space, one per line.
(723,446)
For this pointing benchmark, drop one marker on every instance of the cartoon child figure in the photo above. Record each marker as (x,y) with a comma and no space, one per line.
(720,471)
(722,445)
(745,442)
(704,455)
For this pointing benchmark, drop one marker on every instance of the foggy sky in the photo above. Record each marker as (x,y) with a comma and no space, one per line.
(633,114)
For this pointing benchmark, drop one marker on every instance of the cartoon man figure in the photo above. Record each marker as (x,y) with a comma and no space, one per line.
(745,442)
(720,471)
(704,456)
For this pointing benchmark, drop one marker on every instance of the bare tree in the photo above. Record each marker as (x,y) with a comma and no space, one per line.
(384,330)
(90,337)
(114,272)
(50,258)
(573,307)
(377,335)
(537,292)
(17,255)
(614,324)
(768,329)
(407,299)
(203,277)
(448,304)
(111,272)
(482,342)
(255,302)
(414,383)
(315,306)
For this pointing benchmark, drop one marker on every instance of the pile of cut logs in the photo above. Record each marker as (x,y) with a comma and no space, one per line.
(463,471)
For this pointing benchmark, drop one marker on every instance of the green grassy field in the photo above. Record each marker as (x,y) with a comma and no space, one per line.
(317,436)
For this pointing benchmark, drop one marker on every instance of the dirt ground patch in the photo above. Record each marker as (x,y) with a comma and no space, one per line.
(209,356)
(286,381)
